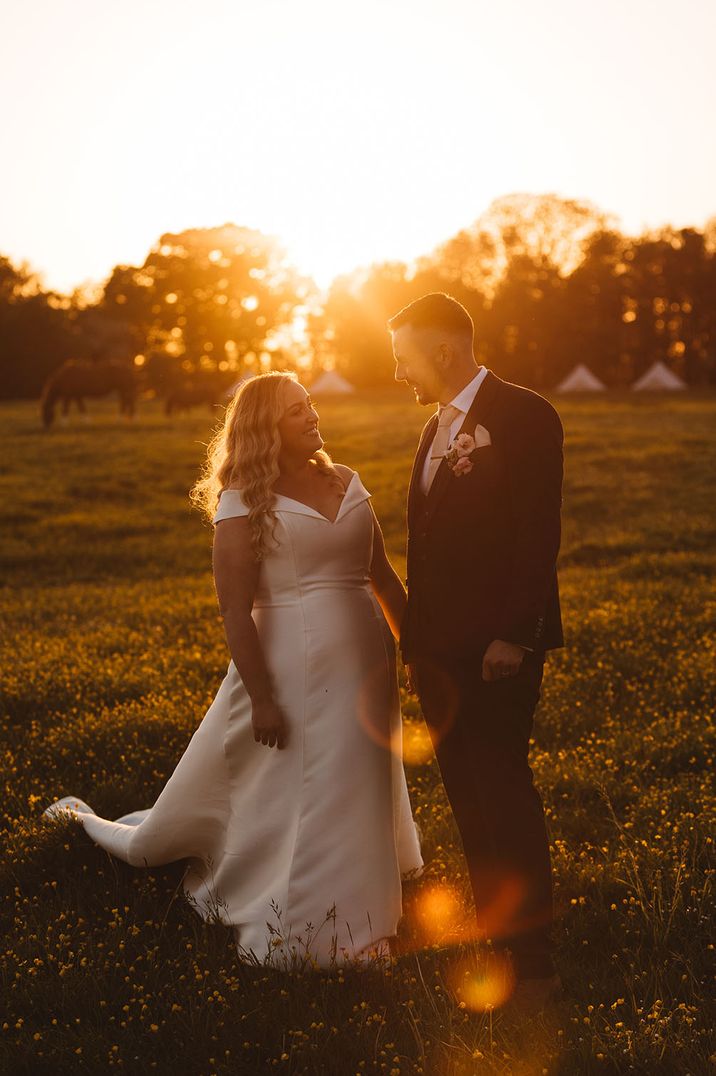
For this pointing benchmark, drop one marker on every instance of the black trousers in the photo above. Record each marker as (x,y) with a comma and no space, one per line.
(480,732)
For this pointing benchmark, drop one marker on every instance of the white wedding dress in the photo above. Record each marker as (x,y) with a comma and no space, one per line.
(313,838)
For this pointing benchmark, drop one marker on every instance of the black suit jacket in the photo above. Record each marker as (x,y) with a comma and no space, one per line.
(482,546)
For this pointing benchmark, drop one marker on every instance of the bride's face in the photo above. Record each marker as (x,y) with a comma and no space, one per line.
(298,425)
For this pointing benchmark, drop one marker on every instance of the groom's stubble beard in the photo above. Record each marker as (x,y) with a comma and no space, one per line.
(425,394)
(425,398)
(407,354)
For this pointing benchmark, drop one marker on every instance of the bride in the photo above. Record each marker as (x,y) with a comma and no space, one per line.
(290,802)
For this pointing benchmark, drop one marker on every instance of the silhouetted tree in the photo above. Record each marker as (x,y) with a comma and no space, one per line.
(548,281)
(514,262)
(351,330)
(206,298)
(596,326)
(35,332)
(672,281)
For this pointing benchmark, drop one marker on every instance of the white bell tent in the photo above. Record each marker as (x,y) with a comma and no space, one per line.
(581,379)
(659,378)
(331,382)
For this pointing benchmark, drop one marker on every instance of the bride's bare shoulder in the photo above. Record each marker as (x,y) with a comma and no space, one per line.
(345,472)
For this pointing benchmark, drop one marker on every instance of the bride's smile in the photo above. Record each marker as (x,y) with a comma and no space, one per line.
(297,427)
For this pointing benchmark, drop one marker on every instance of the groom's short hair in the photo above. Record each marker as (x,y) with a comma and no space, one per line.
(437,310)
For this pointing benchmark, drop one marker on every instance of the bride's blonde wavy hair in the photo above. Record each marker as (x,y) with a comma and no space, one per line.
(243,453)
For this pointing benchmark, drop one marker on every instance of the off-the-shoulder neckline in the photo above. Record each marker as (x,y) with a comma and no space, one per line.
(307,507)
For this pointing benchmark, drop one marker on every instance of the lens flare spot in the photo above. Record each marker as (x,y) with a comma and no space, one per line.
(439,914)
(483,984)
(417,745)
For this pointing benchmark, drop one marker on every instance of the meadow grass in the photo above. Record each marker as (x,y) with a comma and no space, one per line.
(112,650)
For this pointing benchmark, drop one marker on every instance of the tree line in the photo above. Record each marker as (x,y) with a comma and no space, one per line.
(549,282)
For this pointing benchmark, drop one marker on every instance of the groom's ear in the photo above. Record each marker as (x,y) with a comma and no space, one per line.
(443,356)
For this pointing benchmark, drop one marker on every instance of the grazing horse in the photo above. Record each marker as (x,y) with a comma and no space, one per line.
(78,378)
(187,394)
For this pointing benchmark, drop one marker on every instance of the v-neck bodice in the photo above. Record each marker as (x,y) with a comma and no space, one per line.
(311,553)
(314,511)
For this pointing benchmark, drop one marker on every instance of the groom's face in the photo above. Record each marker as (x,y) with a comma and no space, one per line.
(415,352)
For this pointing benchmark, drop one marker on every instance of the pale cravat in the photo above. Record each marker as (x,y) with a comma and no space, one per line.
(439,446)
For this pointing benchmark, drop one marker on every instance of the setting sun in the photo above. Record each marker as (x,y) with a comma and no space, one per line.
(354,134)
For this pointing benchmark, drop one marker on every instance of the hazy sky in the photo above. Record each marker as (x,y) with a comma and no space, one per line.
(354,130)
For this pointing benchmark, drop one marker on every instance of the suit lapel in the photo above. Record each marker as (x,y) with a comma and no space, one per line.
(478,412)
(418,463)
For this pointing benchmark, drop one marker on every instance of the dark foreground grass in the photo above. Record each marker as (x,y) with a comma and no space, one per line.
(112,650)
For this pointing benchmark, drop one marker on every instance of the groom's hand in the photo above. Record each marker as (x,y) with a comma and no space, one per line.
(501,660)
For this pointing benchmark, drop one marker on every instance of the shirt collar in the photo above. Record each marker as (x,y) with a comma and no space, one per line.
(463,400)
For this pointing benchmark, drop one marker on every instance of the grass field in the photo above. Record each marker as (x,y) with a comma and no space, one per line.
(112,650)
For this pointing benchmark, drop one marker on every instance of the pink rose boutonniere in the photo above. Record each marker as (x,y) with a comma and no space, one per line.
(459,454)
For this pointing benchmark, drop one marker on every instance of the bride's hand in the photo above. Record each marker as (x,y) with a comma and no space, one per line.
(269,723)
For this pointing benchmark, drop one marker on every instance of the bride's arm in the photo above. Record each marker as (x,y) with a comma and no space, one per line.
(236,574)
(387,584)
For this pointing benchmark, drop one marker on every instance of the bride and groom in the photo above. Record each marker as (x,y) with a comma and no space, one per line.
(290,802)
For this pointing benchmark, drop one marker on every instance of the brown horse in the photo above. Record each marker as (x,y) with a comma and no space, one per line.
(209,390)
(78,378)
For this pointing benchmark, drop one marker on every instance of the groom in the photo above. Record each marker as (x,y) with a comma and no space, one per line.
(483,607)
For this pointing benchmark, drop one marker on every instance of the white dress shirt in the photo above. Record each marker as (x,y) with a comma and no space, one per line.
(463,401)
